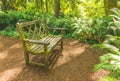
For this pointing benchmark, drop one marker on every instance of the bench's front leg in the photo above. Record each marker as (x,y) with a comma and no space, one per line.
(46,55)
(26,58)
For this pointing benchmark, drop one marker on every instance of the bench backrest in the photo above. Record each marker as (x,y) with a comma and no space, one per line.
(36,29)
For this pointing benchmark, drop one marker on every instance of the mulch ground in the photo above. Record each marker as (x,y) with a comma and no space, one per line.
(76,63)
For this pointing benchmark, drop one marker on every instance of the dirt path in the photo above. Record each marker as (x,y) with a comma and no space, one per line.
(76,64)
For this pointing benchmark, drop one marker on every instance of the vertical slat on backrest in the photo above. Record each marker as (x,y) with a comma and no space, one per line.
(46,27)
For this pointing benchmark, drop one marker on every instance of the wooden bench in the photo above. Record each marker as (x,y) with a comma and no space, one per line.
(37,39)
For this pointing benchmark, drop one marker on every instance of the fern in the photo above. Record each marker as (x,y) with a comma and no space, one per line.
(115,24)
(111,60)
(105,65)
(108,47)
(109,57)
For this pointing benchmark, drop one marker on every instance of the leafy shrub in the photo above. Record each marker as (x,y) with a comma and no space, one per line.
(62,23)
(3,20)
(27,15)
(82,29)
(14,17)
(9,31)
(101,28)
(10,19)
(115,26)
(111,60)
(94,29)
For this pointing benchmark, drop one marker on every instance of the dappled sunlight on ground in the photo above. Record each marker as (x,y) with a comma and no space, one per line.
(3,54)
(73,52)
(1,45)
(15,46)
(76,63)
(10,74)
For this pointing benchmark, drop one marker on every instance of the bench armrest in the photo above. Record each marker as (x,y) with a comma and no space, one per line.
(56,28)
(36,41)
(61,29)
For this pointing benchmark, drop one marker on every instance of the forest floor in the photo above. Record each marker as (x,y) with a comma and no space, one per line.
(75,64)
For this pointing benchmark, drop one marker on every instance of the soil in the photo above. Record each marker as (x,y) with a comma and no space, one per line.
(75,64)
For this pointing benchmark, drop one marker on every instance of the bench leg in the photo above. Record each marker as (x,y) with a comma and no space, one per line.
(26,58)
(46,62)
(61,45)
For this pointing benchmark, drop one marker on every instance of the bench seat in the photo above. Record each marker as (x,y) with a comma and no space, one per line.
(38,48)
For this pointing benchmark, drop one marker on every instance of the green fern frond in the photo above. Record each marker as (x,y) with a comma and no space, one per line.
(116,11)
(104,65)
(113,40)
(108,47)
(115,16)
(109,57)
(109,39)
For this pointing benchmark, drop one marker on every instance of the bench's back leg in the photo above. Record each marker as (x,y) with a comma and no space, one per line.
(61,44)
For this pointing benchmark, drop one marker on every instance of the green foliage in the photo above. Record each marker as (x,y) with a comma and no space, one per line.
(111,60)
(108,47)
(115,26)
(9,31)
(88,8)
(7,5)
(14,17)
(94,29)
(77,8)
(27,15)
(113,40)
(82,29)
(62,23)
(83,8)
(3,20)
(91,29)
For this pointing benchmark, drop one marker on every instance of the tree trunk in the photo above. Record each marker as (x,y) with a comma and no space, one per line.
(109,4)
(57,8)
(46,5)
(4,5)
